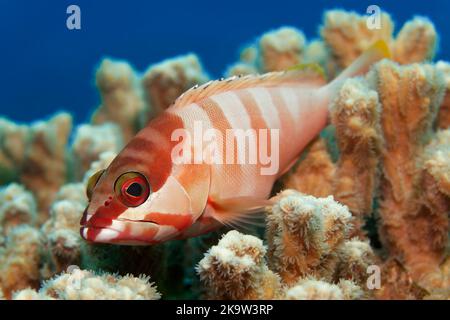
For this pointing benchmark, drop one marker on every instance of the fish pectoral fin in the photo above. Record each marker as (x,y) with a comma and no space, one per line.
(239,212)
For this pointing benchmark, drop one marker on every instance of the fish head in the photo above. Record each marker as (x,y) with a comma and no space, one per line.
(133,203)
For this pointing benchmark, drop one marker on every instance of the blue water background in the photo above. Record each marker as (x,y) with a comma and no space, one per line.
(46,68)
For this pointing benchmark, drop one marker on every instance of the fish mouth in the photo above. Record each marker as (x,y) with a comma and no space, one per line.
(120,231)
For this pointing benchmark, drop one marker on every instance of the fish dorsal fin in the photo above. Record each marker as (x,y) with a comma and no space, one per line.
(308,74)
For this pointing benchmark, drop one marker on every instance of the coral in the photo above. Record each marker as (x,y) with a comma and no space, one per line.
(86,285)
(444,110)
(307,250)
(355,257)
(104,159)
(92,140)
(235,269)
(374,127)
(61,239)
(44,168)
(121,95)
(17,206)
(315,173)
(37,154)
(303,233)
(397,283)
(407,128)
(312,289)
(166,81)
(19,260)
(13,144)
(415,42)
(346,35)
(355,115)
(281,49)
(373,190)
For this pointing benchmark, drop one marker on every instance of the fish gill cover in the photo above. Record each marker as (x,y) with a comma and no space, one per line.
(368,197)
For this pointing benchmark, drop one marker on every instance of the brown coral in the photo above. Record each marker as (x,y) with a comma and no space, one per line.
(307,250)
(353,180)
(235,269)
(19,260)
(281,49)
(166,81)
(121,95)
(347,36)
(17,206)
(444,110)
(36,156)
(407,128)
(86,285)
(61,239)
(92,140)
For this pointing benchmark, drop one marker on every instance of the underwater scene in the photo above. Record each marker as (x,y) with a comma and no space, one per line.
(241,151)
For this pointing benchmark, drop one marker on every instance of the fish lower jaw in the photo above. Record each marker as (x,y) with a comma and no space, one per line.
(128,232)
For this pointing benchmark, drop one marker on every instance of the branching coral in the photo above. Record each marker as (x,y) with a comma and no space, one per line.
(307,250)
(315,173)
(303,233)
(347,35)
(166,81)
(92,140)
(36,155)
(444,111)
(355,114)
(382,160)
(312,289)
(86,285)
(121,94)
(17,206)
(61,239)
(281,49)
(407,128)
(387,120)
(235,269)
(19,260)
(104,159)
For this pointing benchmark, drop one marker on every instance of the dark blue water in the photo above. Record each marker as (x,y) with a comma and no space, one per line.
(46,68)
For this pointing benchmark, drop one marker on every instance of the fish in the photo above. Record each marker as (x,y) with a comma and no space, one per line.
(161,188)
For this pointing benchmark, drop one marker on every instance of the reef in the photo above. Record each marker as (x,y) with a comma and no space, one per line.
(86,285)
(308,256)
(369,196)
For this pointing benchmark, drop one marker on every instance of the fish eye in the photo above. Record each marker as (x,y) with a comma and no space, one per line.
(132,188)
(92,182)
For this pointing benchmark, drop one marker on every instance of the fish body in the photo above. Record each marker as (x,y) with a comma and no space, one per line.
(165,184)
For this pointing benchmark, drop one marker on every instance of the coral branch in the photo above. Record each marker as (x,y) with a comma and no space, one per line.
(86,285)
(303,233)
(235,269)
(281,49)
(122,101)
(19,260)
(92,140)
(166,81)
(410,97)
(356,116)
